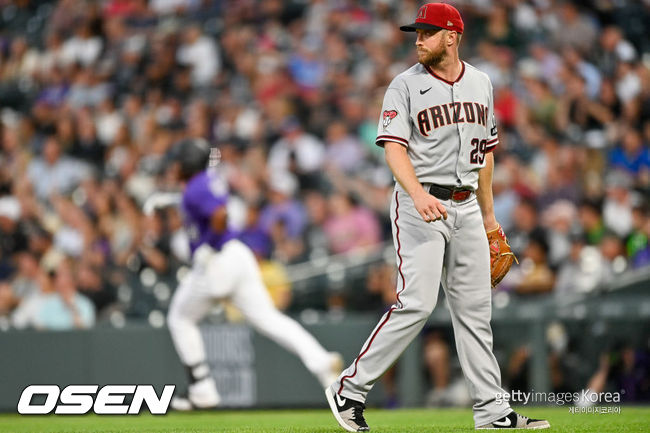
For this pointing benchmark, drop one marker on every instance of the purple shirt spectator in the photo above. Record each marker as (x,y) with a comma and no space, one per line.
(291,213)
(282,207)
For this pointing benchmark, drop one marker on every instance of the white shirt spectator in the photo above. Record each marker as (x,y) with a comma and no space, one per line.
(525,17)
(307,150)
(53,173)
(167,7)
(108,123)
(617,210)
(582,274)
(201,54)
(628,86)
(60,177)
(81,50)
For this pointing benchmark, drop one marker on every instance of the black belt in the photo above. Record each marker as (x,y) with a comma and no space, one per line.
(445,193)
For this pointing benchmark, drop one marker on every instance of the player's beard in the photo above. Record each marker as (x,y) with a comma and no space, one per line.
(433,58)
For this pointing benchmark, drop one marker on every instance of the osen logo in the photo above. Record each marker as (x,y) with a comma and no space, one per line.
(81,399)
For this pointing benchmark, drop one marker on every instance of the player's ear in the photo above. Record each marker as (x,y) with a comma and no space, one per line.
(451,39)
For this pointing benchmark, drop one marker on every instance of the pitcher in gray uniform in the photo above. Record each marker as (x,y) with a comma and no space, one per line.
(438,130)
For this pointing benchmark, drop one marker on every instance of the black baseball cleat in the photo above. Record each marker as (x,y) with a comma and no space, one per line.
(514,420)
(348,412)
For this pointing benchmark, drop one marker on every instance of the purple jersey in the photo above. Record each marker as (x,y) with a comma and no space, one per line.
(205,193)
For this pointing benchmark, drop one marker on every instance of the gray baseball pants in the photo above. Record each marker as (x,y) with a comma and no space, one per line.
(454,252)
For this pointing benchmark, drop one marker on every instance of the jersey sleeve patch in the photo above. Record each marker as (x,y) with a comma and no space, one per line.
(388,116)
(394,123)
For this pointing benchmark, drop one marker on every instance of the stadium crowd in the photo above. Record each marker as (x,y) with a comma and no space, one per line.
(93,94)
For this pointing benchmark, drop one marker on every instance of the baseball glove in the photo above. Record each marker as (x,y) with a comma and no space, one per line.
(501,256)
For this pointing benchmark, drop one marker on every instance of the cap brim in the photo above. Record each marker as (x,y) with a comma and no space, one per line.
(419,26)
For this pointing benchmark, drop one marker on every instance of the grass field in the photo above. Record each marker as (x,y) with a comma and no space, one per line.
(631,419)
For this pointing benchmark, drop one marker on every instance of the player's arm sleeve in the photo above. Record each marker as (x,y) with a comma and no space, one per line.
(208,205)
(492,136)
(394,121)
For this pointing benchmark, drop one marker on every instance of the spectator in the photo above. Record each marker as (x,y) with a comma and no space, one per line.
(29,278)
(613,251)
(7,299)
(641,257)
(623,369)
(200,53)
(349,226)
(65,308)
(588,72)
(54,173)
(284,218)
(315,238)
(534,275)
(583,271)
(574,29)
(525,223)
(615,48)
(95,286)
(283,207)
(559,221)
(632,155)
(591,221)
(12,238)
(58,306)
(578,112)
(505,198)
(297,152)
(344,151)
(618,204)
(83,48)
(306,67)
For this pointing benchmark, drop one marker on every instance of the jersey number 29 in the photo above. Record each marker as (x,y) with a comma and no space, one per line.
(477,155)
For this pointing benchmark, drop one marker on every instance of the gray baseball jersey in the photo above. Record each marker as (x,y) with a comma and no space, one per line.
(447,126)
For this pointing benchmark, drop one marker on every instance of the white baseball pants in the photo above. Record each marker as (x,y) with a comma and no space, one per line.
(454,252)
(233,273)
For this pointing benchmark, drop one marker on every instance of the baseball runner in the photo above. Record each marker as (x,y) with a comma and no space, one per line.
(224,268)
(438,130)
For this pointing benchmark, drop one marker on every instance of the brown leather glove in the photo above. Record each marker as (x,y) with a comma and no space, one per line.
(501,256)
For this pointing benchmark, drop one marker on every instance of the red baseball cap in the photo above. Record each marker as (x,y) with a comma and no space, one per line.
(435,16)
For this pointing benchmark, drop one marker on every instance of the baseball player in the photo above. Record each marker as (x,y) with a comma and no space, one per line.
(438,130)
(224,268)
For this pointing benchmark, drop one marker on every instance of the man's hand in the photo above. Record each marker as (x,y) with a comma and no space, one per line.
(429,207)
